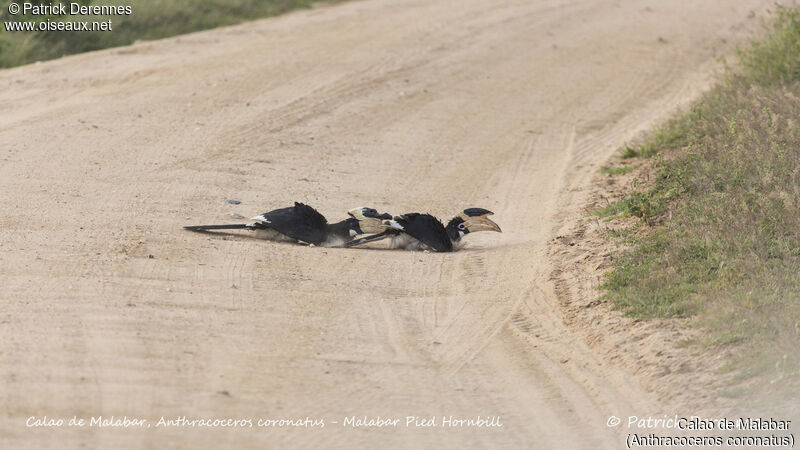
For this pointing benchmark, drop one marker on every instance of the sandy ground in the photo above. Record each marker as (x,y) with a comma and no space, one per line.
(110,308)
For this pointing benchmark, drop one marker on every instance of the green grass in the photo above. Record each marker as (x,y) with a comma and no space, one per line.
(150,19)
(616,170)
(676,133)
(719,238)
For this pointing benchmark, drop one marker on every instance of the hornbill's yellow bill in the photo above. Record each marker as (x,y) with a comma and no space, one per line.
(479,222)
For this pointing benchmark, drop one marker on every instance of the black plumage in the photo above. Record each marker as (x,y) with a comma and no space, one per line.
(415,231)
(302,223)
(425,228)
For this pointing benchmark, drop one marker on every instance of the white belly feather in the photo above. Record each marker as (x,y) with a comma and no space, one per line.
(407,242)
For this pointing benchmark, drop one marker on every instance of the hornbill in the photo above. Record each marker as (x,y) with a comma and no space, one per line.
(415,231)
(304,224)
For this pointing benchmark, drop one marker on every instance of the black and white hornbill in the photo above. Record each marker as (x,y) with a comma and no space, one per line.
(415,231)
(304,224)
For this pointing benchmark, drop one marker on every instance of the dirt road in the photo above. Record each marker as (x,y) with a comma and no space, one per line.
(110,308)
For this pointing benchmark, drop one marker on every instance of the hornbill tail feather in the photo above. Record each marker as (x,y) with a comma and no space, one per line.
(236,226)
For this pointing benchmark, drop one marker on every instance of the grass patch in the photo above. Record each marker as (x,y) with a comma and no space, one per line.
(676,133)
(647,205)
(150,19)
(616,170)
(719,237)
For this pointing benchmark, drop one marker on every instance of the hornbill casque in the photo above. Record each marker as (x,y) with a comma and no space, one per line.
(304,224)
(415,231)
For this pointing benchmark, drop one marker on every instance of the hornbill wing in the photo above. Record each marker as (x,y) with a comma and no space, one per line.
(300,222)
(426,228)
